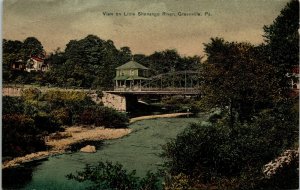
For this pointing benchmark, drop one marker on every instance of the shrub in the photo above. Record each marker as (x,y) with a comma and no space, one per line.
(31,94)
(20,136)
(218,152)
(103,116)
(56,95)
(284,170)
(12,105)
(110,118)
(113,176)
(62,116)
(88,116)
(46,123)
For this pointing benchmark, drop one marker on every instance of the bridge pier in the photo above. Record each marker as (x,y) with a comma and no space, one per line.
(120,102)
(115,101)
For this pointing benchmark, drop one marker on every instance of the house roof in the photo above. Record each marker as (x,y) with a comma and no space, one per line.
(37,59)
(130,78)
(132,65)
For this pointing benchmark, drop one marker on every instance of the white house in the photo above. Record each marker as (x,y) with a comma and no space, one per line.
(36,64)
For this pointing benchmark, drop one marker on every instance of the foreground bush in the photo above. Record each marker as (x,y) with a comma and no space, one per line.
(219,154)
(282,170)
(114,176)
(20,136)
(28,119)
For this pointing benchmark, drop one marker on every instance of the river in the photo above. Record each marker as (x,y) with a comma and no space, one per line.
(138,151)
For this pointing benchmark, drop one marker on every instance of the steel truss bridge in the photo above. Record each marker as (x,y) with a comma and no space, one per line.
(179,82)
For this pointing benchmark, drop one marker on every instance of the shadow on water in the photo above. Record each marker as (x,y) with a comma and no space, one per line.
(19,177)
(152,109)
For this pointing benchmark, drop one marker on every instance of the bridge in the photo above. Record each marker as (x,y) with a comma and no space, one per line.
(124,98)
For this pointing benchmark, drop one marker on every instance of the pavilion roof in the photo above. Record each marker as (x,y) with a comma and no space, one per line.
(132,65)
(130,78)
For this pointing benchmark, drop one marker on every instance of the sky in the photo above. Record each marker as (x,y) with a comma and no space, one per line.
(55,22)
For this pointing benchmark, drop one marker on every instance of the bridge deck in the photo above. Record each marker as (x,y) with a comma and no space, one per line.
(162,92)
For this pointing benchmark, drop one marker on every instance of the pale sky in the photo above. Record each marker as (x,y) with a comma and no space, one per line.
(56,22)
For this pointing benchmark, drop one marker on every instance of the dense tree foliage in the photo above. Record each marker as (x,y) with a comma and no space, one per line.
(114,176)
(236,80)
(16,50)
(89,62)
(20,136)
(232,156)
(282,37)
(29,118)
(258,119)
(282,43)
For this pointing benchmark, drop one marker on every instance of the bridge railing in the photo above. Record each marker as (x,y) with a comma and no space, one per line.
(136,89)
(170,89)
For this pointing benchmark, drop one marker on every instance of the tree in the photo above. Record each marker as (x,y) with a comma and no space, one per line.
(231,156)
(11,51)
(165,61)
(282,38)
(32,47)
(91,62)
(125,55)
(235,80)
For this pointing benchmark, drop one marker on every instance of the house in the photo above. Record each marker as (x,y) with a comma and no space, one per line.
(130,76)
(295,78)
(18,65)
(36,64)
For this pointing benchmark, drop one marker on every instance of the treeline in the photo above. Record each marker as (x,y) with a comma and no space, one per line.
(89,62)
(258,119)
(252,141)
(28,119)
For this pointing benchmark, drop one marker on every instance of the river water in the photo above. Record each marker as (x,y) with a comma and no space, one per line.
(138,151)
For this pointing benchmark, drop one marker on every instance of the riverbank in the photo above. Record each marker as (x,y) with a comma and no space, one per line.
(170,115)
(70,136)
(61,141)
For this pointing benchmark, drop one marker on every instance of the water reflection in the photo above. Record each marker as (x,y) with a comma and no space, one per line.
(19,177)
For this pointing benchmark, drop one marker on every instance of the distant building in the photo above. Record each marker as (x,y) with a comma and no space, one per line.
(18,65)
(130,76)
(295,78)
(36,64)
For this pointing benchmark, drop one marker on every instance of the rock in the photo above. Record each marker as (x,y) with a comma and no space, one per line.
(88,149)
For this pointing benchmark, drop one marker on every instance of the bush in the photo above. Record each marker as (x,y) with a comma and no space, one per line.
(103,116)
(110,118)
(12,105)
(62,116)
(46,123)
(283,171)
(217,152)
(57,95)
(113,176)
(31,94)
(20,136)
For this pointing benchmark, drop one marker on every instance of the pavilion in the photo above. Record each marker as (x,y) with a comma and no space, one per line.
(130,76)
